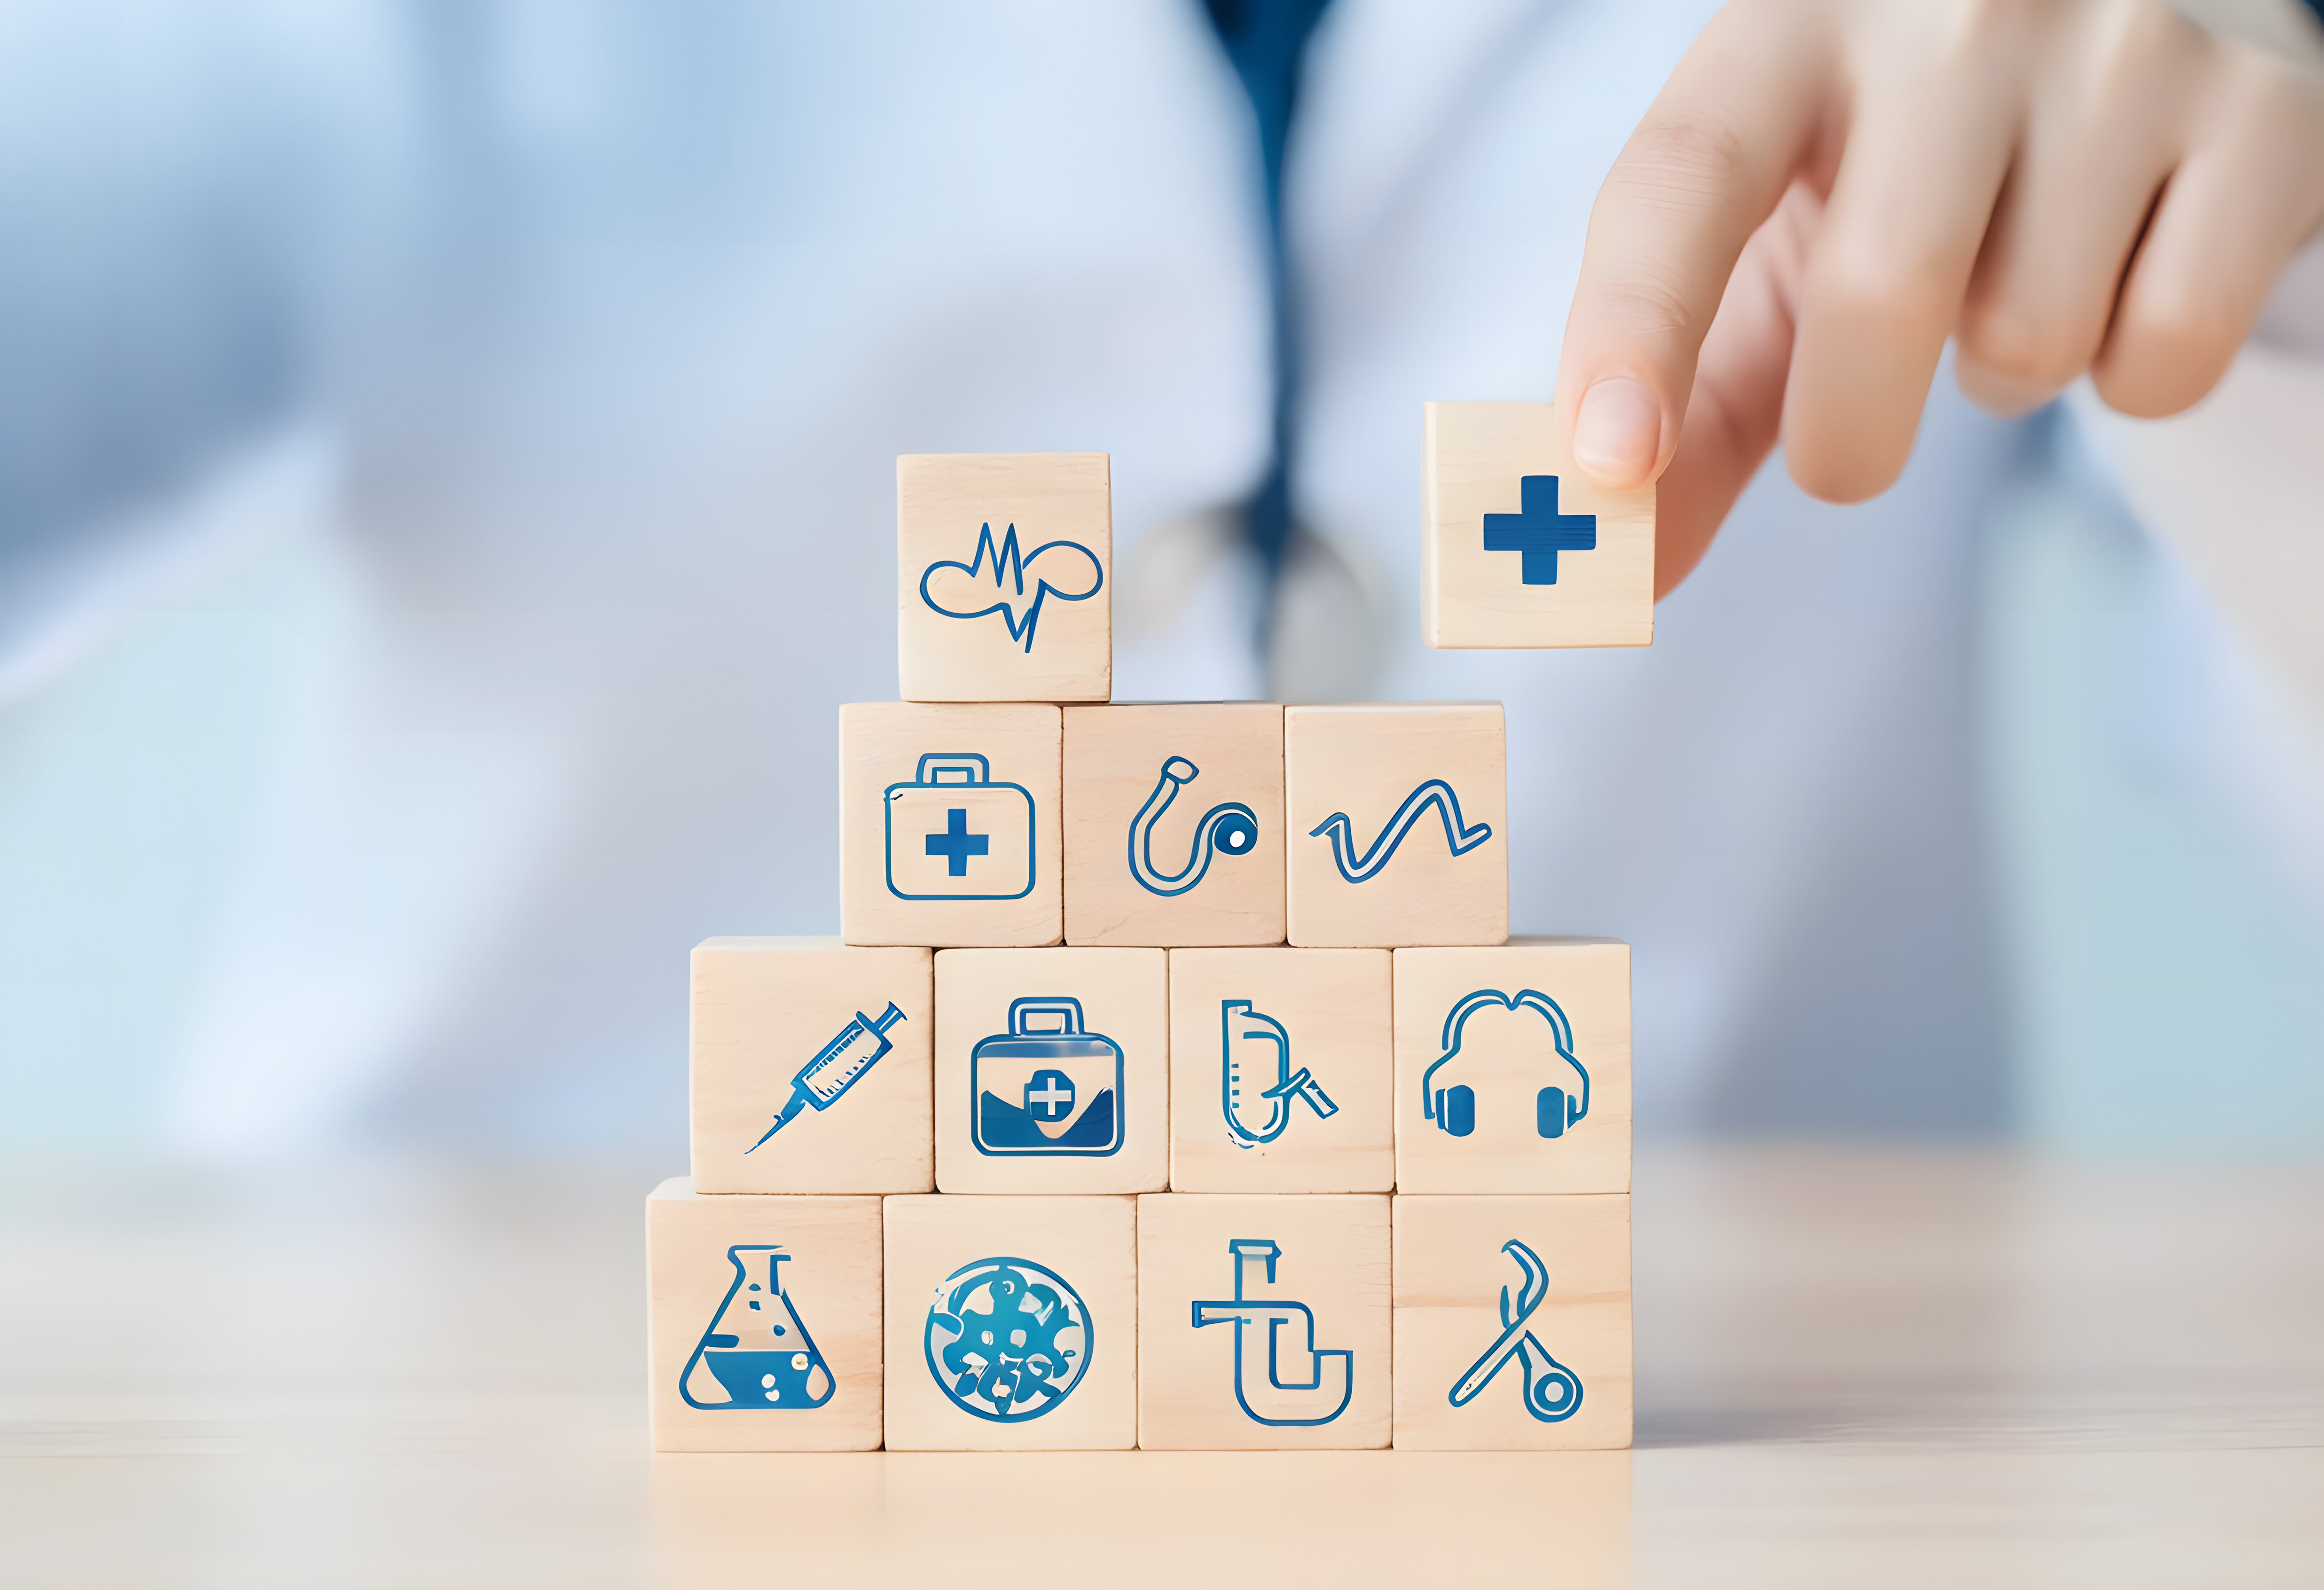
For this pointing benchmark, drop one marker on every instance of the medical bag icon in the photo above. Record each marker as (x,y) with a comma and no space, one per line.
(756,1352)
(1045,1087)
(953,834)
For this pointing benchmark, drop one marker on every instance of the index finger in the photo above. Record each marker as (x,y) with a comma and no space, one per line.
(1707,164)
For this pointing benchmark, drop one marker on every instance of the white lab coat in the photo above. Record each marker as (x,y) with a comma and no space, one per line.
(545,591)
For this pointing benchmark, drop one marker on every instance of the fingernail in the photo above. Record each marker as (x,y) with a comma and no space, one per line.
(1618,432)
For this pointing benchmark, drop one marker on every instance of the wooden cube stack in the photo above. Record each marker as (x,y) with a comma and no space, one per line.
(1173,1082)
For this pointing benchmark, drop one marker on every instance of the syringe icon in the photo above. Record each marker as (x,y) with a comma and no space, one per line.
(836,1066)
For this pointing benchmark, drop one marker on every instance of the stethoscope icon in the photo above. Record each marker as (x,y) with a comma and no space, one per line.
(1228,826)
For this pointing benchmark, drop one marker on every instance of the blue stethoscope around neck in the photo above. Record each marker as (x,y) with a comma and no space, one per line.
(1229,826)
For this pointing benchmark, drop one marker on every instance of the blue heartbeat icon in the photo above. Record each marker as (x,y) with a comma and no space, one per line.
(1540,533)
(1358,867)
(954,588)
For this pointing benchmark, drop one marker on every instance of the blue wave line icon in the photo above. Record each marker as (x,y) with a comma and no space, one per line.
(1007,568)
(1358,867)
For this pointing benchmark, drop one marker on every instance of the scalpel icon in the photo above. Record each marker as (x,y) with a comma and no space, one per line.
(1552,1391)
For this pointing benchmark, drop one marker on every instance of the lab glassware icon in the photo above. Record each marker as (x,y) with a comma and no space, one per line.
(994,581)
(1045,1087)
(756,1352)
(836,1067)
(1552,1392)
(1361,866)
(1229,827)
(1256,1081)
(954,834)
(1007,1339)
(1557,1107)
(1278,1381)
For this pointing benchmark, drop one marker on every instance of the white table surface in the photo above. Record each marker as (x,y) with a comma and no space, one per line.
(1855,1368)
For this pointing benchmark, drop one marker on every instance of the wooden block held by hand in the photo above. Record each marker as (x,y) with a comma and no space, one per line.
(1004,574)
(1053,1070)
(1522,549)
(1173,824)
(1398,819)
(1513,1067)
(810,1068)
(1281,1064)
(1263,1322)
(1012,1324)
(1549,1368)
(764,1331)
(948,824)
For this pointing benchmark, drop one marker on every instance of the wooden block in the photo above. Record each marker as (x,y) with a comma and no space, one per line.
(1173,824)
(811,1067)
(1398,818)
(764,1330)
(948,820)
(1053,1072)
(1281,1071)
(1012,1324)
(1549,1368)
(1522,549)
(1004,577)
(1537,1032)
(1262,1322)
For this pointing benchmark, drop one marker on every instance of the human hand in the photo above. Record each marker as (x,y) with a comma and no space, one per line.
(1825,190)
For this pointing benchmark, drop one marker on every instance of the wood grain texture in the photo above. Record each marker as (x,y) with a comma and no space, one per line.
(1331,1256)
(832,1272)
(1475,456)
(946,503)
(763,1009)
(1092,1242)
(1365,764)
(1114,761)
(1123,998)
(887,813)
(1507,1053)
(1334,1008)
(1451,1267)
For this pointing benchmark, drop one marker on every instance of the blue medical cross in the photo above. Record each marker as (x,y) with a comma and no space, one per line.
(1049,1094)
(957,844)
(1540,533)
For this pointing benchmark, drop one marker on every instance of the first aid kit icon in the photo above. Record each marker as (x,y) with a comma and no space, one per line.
(1045,1087)
(953,834)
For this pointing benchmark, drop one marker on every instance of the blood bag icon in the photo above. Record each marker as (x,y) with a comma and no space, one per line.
(757,1353)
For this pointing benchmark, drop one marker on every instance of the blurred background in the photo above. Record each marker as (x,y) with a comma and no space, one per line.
(446,490)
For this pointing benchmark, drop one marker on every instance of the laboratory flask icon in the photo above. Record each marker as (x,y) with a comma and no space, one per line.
(1278,1381)
(1045,1087)
(1007,1339)
(1256,1081)
(1229,827)
(1552,1392)
(757,1353)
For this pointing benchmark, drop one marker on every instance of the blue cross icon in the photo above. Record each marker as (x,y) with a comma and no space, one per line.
(1049,1096)
(1540,533)
(957,844)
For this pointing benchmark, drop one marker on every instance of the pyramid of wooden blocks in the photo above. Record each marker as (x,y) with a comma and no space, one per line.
(1174,1080)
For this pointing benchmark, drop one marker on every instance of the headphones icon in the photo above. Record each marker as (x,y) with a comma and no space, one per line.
(1455,1108)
